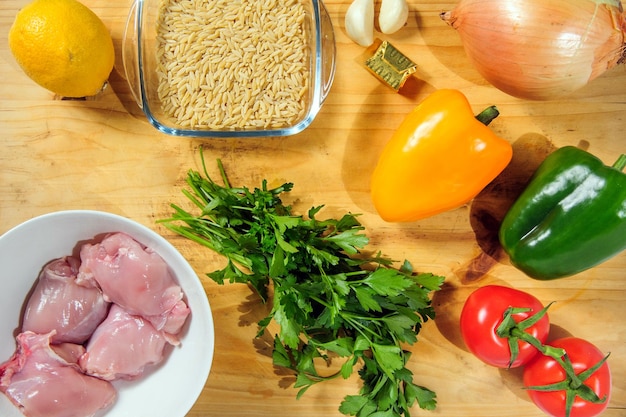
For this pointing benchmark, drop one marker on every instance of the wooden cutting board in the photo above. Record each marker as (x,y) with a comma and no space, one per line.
(102,154)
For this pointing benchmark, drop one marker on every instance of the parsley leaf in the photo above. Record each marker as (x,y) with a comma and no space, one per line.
(329,297)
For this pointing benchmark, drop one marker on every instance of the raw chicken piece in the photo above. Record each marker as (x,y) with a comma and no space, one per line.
(43,384)
(123,346)
(70,352)
(135,278)
(59,303)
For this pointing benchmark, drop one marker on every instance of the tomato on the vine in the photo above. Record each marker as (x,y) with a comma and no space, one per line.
(545,370)
(482,315)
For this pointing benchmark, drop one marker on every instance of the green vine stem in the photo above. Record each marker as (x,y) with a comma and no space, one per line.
(573,384)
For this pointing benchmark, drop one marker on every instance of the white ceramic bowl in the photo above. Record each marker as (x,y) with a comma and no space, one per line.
(169,390)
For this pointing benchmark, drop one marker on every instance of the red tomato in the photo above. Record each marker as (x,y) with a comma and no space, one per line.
(482,314)
(545,370)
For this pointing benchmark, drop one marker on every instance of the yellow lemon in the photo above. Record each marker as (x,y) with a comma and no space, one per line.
(63,46)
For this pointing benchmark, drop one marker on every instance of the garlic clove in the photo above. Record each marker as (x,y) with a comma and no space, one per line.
(393,15)
(360,22)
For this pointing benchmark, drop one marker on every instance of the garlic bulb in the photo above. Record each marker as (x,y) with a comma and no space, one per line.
(540,49)
(360,22)
(393,15)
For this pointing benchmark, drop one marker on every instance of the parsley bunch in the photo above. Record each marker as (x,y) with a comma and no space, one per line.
(328,297)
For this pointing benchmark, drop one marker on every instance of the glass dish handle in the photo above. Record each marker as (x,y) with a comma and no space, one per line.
(130,53)
(329,51)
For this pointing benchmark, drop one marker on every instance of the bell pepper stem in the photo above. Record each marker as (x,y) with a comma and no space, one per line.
(486,116)
(620,164)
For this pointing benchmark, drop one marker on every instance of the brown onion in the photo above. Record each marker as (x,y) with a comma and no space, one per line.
(540,49)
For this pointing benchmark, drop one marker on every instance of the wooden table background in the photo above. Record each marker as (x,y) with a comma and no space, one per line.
(102,154)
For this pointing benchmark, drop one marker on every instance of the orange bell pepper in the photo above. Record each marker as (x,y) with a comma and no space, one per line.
(439,158)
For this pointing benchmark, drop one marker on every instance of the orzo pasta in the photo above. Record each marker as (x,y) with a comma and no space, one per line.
(226,64)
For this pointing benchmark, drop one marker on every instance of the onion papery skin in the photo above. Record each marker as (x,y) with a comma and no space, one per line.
(540,49)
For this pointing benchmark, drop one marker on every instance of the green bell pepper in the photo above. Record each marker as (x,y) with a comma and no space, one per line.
(569,218)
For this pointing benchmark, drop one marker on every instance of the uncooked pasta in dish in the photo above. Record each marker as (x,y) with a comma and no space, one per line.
(234,64)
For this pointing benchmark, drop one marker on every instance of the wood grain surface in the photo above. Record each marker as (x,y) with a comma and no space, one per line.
(102,154)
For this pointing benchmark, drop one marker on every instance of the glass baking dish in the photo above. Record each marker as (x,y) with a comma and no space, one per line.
(207,103)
